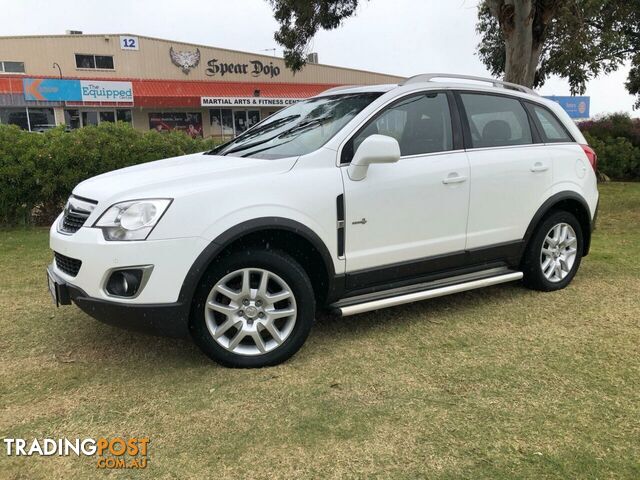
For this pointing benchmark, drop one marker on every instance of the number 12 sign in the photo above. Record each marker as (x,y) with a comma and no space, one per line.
(128,43)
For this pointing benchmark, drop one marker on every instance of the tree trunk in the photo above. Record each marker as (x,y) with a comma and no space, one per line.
(523,29)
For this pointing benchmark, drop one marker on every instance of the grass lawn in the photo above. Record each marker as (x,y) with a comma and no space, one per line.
(495,383)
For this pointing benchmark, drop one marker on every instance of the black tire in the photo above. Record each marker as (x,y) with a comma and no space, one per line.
(534,277)
(276,262)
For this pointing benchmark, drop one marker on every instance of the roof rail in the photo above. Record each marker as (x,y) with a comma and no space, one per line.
(338,89)
(427,77)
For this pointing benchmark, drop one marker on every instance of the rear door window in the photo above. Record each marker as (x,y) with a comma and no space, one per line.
(496,120)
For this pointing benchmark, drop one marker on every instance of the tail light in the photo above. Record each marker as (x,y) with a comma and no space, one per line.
(591,156)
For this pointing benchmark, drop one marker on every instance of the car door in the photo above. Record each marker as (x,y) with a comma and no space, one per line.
(510,171)
(408,218)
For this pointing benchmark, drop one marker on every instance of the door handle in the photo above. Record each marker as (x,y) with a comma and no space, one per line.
(454,178)
(539,167)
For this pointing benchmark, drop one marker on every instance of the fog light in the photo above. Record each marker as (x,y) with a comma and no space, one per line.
(125,283)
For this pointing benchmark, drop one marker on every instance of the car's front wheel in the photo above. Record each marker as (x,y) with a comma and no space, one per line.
(253,308)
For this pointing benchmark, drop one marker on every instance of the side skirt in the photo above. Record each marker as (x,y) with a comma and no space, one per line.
(424,291)
(433,268)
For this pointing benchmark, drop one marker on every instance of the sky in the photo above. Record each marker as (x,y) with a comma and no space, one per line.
(402,37)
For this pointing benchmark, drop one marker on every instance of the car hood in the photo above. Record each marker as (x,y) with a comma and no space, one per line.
(172,176)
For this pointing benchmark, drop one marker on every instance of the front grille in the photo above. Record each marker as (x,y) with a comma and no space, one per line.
(70,266)
(76,213)
(72,221)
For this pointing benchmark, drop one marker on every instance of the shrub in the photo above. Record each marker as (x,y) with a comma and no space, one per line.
(616,140)
(39,171)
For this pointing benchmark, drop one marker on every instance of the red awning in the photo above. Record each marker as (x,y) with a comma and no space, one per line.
(171,93)
(10,84)
(184,93)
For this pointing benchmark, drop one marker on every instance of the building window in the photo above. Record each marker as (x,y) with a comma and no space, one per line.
(104,61)
(253,117)
(14,116)
(109,116)
(123,115)
(32,119)
(74,118)
(89,118)
(11,67)
(227,123)
(101,62)
(187,122)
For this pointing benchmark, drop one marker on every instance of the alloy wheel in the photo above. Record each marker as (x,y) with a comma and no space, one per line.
(558,254)
(250,311)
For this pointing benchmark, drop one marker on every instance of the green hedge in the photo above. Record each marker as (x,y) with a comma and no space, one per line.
(38,171)
(616,140)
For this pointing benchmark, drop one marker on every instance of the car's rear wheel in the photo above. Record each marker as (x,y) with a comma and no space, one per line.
(553,254)
(253,308)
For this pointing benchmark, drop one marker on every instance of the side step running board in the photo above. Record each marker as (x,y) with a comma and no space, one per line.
(354,309)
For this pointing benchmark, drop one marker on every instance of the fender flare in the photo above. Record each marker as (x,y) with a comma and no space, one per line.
(236,232)
(549,204)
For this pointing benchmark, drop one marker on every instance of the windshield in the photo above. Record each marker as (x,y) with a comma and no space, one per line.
(299,129)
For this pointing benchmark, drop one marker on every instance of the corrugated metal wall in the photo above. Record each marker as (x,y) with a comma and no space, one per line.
(152,60)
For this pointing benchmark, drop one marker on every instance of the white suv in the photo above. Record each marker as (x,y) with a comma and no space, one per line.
(358,199)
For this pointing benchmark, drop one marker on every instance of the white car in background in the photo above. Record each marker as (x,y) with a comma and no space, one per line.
(357,199)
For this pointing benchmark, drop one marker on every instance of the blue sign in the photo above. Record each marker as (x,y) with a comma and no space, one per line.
(52,90)
(576,107)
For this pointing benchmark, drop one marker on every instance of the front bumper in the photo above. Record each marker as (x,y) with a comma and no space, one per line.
(166,319)
(171,260)
(158,307)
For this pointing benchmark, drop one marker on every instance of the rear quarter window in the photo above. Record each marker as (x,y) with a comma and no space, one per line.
(551,128)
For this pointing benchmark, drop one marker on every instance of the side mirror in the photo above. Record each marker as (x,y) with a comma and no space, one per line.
(374,149)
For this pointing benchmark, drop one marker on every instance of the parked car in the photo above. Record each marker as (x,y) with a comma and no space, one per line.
(358,199)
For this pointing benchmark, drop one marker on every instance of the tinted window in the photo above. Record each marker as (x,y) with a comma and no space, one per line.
(552,130)
(14,116)
(41,119)
(72,119)
(108,116)
(12,67)
(85,61)
(496,121)
(104,62)
(94,61)
(123,115)
(421,124)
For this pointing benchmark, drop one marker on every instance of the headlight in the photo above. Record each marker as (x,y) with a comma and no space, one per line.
(132,220)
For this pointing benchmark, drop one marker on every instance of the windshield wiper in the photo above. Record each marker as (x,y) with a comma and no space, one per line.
(258,130)
(298,128)
(267,127)
(263,129)
(304,126)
